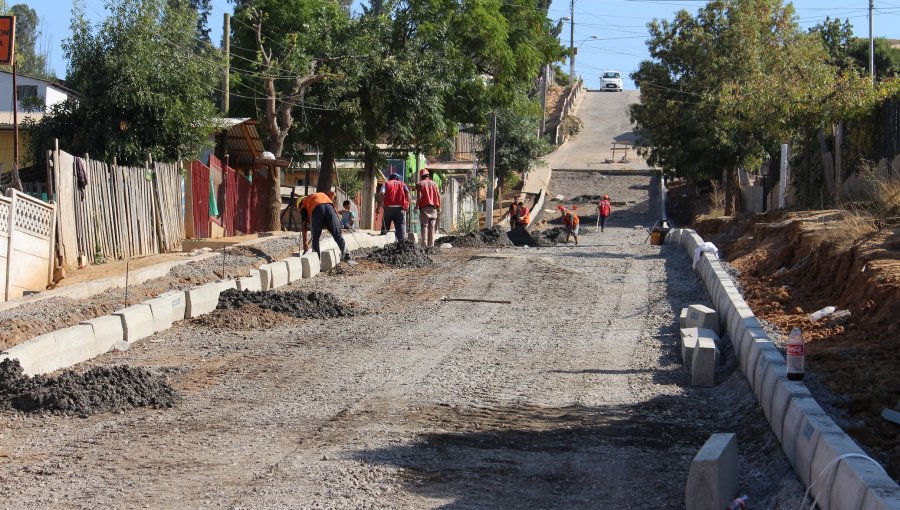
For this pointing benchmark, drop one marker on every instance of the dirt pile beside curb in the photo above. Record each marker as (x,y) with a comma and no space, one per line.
(545,238)
(402,254)
(493,237)
(99,390)
(302,305)
(251,318)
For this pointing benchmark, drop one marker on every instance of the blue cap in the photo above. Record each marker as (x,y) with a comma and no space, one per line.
(395,177)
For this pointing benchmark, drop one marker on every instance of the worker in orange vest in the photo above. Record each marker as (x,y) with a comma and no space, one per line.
(571,220)
(395,200)
(513,216)
(429,204)
(318,210)
(523,216)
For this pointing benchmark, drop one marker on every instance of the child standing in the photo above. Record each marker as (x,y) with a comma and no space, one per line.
(348,217)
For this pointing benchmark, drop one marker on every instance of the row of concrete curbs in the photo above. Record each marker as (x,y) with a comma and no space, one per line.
(836,470)
(117,331)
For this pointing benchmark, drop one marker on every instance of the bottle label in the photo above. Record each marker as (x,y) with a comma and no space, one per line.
(795,358)
(795,350)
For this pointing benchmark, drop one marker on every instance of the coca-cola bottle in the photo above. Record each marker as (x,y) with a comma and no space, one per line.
(796,352)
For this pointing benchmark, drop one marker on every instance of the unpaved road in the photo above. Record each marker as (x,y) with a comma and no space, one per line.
(574,396)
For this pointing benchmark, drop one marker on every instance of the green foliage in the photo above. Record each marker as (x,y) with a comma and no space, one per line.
(726,87)
(836,37)
(350,180)
(887,57)
(28,61)
(145,85)
(519,148)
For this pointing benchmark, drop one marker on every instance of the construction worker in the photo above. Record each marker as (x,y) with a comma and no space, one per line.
(571,221)
(429,204)
(318,210)
(604,209)
(513,215)
(523,216)
(395,200)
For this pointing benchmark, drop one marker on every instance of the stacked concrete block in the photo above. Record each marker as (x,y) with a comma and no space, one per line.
(713,477)
(279,272)
(161,308)
(674,236)
(55,351)
(769,363)
(201,300)
(703,363)
(689,339)
(137,322)
(310,265)
(330,260)
(227,284)
(177,298)
(108,331)
(785,391)
(755,343)
(682,318)
(700,316)
(295,268)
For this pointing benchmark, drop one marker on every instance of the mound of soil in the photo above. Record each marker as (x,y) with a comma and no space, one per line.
(99,390)
(302,305)
(251,318)
(548,237)
(402,254)
(493,237)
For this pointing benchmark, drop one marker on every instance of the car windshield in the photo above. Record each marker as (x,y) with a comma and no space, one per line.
(611,75)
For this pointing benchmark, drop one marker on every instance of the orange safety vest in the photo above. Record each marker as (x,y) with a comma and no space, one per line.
(572,220)
(312,201)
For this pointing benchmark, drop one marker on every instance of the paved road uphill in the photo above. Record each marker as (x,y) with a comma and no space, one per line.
(572,396)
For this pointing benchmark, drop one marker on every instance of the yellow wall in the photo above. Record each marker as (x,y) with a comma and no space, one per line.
(6,149)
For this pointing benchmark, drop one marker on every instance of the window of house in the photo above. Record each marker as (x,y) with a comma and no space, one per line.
(28,98)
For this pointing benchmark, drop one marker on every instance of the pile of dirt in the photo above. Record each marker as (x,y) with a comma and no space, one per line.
(251,318)
(493,237)
(792,264)
(543,238)
(402,254)
(99,390)
(302,305)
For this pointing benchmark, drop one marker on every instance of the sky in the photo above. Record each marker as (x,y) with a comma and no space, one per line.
(618,25)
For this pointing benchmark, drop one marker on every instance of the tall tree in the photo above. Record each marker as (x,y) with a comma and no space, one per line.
(29,60)
(725,87)
(203,8)
(144,86)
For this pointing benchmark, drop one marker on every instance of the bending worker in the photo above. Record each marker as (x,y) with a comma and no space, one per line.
(429,203)
(318,209)
(395,197)
(571,220)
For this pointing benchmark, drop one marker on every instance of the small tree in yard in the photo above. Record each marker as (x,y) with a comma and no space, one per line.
(145,85)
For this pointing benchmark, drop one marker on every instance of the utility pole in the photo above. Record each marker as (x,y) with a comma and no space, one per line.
(572,49)
(489,203)
(225,83)
(871,40)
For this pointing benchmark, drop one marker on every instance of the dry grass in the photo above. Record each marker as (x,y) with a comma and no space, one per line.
(717,200)
(887,197)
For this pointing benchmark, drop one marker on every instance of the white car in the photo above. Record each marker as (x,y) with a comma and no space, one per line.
(611,81)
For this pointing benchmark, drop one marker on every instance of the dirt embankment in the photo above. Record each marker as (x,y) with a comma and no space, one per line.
(793,264)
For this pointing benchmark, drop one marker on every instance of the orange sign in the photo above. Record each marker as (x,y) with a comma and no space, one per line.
(7,39)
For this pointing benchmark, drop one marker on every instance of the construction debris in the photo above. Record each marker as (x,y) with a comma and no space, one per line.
(302,305)
(402,254)
(494,236)
(99,390)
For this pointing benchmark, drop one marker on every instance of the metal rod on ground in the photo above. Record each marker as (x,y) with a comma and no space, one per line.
(127,272)
(475,300)
(223,261)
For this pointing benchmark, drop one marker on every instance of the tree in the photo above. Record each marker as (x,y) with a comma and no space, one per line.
(836,37)
(887,57)
(725,88)
(29,60)
(145,85)
(204,9)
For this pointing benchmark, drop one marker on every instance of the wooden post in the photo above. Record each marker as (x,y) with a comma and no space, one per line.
(838,163)
(227,48)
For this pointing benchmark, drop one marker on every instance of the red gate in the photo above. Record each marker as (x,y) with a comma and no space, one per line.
(200,199)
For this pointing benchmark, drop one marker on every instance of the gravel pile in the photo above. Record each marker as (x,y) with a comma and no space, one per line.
(402,254)
(99,390)
(493,237)
(302,305)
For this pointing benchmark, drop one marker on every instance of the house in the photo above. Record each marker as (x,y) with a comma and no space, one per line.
(36,96)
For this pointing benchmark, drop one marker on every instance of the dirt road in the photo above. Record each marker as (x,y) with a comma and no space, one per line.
(574,396)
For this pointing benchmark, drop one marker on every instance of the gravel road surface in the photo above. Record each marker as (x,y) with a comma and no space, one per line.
(573,396)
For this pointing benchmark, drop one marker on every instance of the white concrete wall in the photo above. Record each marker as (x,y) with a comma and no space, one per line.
(30,227)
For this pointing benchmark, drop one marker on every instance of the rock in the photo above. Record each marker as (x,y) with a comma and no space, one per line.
(838,318)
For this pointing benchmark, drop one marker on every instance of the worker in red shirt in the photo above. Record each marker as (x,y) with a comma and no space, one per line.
(571,220)
(429,204)
(318,210)
(523,217)
(395,200)
(604,209)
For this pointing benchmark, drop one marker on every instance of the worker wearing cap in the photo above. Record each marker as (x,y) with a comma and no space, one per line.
(604,209)
(395,199)
(318,210)
(571,220)
(429,204)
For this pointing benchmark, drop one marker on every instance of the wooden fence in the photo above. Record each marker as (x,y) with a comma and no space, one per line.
(119,212)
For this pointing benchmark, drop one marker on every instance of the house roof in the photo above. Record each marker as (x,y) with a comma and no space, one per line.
(243,144)
(52,83)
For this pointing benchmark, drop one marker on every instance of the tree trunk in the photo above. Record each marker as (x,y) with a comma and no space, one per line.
(367,207)
(731,190)
(273,217)
(326,173)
